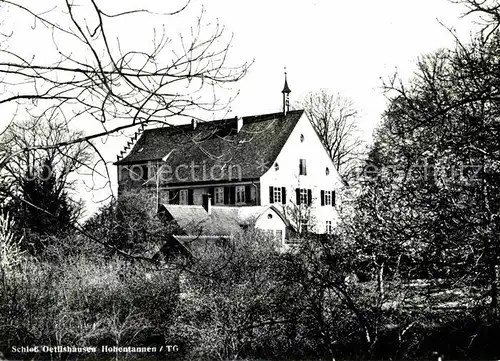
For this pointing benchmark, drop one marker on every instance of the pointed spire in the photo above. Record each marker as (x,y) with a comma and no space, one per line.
(286,89)
(286,94)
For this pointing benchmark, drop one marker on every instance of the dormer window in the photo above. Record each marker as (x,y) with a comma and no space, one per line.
(302,138)
(276,167)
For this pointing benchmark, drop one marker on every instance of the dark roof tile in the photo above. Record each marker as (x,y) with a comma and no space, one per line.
(216,150)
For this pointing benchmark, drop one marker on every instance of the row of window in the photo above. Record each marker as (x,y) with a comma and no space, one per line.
(237,195)
(303,196)
(181,196)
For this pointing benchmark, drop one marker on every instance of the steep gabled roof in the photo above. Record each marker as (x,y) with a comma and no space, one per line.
(217,147)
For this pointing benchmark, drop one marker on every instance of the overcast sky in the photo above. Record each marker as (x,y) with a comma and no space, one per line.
(343,46)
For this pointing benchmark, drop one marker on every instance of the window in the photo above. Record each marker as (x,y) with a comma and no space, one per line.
(302,167)
(303,196)
(240,194)
(329,227)
(123,173)
(144,172)
(302,138)
(219,195)
(279,234)
(172,197)
(165,197)
(327,171)
(152,172)
(277,194)
(327,198)
(183,196)
(276,167)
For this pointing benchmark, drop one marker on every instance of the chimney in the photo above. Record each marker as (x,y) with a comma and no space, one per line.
(239,124)
(207,203)
(194,123)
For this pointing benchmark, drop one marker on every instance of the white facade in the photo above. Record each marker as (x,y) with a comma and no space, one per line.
(272,223)
(302,165)
(321,175)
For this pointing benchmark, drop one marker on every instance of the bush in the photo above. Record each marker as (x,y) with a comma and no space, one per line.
(84,302)
(238,298)
(129,224)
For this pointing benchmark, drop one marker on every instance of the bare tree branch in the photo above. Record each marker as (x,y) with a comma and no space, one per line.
(335,119)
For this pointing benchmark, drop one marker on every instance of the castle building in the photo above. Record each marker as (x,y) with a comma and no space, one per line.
(273,159)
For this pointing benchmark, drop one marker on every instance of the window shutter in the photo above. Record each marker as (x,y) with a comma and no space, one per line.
(305,167)
(226,195)
(309,197)
(247,194)
(232,195)
(322,197)
(333,198)
(271,195)
(211,191)
(190,196)
(283,195)
(297,194)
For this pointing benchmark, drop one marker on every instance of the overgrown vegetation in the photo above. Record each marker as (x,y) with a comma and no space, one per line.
(240,299)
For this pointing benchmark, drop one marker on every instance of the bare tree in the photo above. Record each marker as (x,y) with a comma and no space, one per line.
(487,12)
(91,75)
(22,160)
(335,119)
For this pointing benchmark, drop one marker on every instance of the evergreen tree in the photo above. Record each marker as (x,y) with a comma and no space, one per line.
(43,208)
